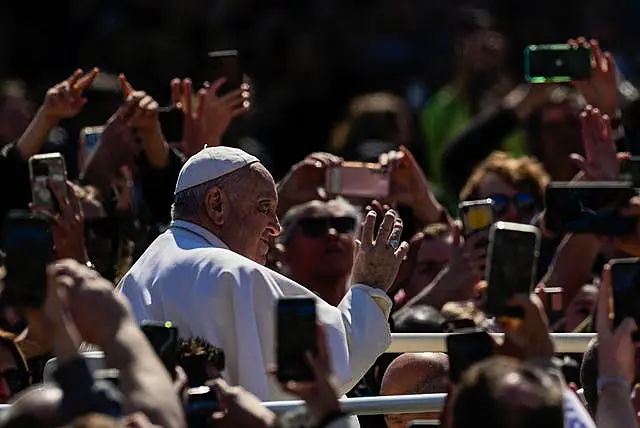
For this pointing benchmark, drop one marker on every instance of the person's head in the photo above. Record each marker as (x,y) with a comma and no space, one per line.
(317,241)
(554,132)
(479,48)
(503,392)
(229,193)
(589,376)
(580,307)
(429,252)
(418,319)
(415,373)
(15,110)
(200,360)
(516,186)
(14,373)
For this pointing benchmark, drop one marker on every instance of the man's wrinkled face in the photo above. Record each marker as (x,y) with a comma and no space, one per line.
(323,240)
(433,255)
(251,220)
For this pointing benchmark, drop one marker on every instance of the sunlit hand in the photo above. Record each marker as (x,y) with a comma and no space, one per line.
(65,99)
(140,110)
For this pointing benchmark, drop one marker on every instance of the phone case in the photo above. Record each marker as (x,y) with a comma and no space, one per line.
(476,215)
(45,170)
(358,180)
(568,61)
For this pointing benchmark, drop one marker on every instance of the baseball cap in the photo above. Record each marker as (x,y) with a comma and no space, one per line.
(211,163)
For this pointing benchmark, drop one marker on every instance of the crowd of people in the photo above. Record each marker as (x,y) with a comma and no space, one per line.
(195,237)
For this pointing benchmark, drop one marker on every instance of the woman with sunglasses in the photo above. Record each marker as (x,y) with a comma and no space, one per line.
(516,186)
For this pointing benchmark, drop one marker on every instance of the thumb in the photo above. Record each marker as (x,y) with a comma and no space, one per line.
(577,160)
(125,85)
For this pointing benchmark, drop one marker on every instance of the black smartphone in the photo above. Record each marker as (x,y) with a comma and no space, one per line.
(163,336)
(511,266)
(171,123)
(296,335)
(556,63)
(589,207)
(202,402)
(46,171)
(28,244)
(225,63)
(625,278)
(465,348)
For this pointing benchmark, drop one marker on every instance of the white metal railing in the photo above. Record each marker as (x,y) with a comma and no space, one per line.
(390,404)
(436,342)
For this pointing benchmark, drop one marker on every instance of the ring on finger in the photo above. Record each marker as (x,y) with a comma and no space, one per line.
(393,244)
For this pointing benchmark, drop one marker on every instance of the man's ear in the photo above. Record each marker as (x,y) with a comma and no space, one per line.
(215,204)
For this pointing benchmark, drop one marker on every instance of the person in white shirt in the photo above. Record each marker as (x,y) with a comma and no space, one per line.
(206,274)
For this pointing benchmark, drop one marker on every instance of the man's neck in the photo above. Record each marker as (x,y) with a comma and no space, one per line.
(332,290)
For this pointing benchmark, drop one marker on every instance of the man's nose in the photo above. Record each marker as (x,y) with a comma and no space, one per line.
(274,228)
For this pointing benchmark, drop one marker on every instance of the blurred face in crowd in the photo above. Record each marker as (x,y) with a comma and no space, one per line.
(433,255)
(482,52)
(15,115)
(322,243)
(249,213)
(510,204)
(560,135)
(581,307)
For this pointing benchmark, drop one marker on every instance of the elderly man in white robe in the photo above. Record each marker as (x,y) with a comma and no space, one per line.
(206,274)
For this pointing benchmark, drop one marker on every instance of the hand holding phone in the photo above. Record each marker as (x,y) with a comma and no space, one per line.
(296,336)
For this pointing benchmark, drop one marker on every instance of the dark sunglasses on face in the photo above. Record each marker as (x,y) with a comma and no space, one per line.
(319,226)
(523,202)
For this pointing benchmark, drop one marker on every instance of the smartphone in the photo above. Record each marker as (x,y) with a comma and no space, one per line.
(556,63)
(163,336)
(358,180)
(465,348)
(90,137)
(589,207)
(28,243)
(202,402)
(511,266)
(625,278)
(225,63)
(476,215)
(296,335)
(44,171)
(171,123)
(554,304)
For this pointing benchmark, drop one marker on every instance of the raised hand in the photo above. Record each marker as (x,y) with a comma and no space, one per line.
(140,110)
(65,99)
(601,89)
(379,254)
(68,226)
(207,115)
(601,161)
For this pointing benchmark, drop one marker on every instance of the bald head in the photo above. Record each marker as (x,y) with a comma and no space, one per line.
(415,373)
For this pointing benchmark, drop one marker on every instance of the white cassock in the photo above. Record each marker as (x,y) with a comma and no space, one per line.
(188,276)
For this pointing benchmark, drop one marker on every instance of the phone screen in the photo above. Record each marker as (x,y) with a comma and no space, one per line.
(171,123)
(91,136)
(557,63)
(29,249)
(47,170)
(296,335)
(225,63)
(476,216)
(588,208)
(358,180)
(202,403)
(466,348)
(625,275)
(163,337)
(513,256)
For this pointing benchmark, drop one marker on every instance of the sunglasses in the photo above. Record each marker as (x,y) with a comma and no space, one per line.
(523,202)
(319,226)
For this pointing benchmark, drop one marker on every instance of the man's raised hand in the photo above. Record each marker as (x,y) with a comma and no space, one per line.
(65,100)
